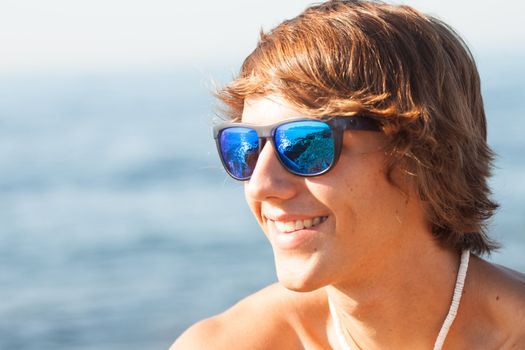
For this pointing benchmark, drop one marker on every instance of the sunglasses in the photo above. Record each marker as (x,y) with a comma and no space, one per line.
(304,146)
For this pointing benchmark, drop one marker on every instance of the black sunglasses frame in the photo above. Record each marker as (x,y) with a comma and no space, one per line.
(338,124)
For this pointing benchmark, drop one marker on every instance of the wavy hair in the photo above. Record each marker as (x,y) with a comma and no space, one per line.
(407,69)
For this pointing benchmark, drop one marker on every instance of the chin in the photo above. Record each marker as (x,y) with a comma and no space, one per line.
(299,286)
(300,275)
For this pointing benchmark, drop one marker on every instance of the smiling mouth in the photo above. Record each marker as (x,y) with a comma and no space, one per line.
(291,226)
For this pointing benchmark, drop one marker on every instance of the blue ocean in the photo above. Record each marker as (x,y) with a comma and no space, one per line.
(118,226)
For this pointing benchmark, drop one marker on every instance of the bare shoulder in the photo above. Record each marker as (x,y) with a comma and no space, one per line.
(263,320)
(504,291)
(514,282)
(508,287)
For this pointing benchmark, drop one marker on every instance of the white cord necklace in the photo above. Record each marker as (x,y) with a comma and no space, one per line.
(452,312)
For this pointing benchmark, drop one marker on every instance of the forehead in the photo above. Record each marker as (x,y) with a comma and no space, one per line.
(267,110)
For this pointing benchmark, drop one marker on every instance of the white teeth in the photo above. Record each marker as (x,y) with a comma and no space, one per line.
(280,226)
(307,223)
(290,226)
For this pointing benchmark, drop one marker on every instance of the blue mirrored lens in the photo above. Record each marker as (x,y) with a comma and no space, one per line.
(305,147)
(239,150)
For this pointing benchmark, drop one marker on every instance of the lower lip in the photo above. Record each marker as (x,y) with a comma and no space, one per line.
(294,239)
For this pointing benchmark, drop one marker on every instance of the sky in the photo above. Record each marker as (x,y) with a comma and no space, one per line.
(80,35)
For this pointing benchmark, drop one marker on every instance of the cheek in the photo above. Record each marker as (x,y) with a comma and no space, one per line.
(362,201)
(380,208)
(363,187)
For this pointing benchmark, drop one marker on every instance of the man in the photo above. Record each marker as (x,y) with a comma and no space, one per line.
(359,130)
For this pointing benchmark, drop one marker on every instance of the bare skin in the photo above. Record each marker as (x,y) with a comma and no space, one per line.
(490,317)
(374,254)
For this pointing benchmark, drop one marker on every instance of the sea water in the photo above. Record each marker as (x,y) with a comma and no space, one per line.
(118,226)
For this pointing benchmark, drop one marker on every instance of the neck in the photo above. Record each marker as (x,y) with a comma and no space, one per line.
(398,294)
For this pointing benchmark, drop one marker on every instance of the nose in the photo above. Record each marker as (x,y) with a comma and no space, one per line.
(269,179)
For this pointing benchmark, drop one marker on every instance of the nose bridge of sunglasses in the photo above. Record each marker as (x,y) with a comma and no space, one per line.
(264,133)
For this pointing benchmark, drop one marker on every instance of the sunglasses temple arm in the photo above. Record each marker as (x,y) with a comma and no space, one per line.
(361,123)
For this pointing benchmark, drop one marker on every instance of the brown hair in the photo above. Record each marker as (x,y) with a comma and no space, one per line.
(409,70)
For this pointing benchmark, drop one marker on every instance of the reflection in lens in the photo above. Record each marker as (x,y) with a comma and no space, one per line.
(239,150)
(305,147)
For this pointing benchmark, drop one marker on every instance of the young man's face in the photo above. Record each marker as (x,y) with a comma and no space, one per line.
(355,215)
